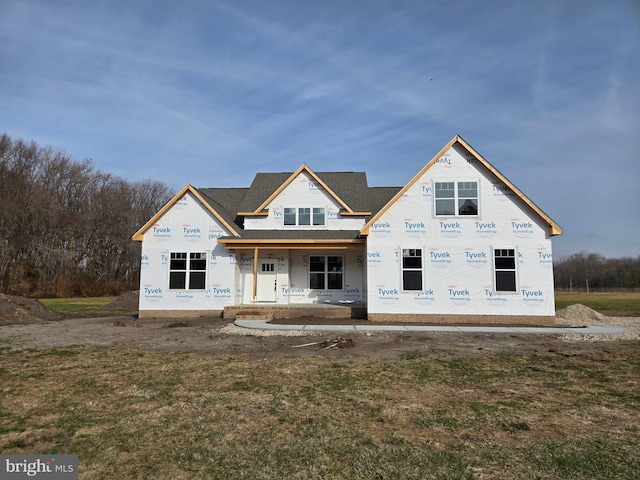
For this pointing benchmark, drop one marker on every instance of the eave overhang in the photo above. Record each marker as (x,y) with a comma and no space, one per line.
(139,235)
(554,228)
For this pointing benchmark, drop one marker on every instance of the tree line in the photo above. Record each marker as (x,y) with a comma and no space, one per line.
(591,271)
(65,229)
(65,226)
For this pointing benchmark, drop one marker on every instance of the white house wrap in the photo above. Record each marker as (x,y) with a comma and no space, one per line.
(458,244)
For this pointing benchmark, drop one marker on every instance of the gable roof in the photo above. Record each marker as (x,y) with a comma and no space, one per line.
(554,228)
(348,189)
(224,219)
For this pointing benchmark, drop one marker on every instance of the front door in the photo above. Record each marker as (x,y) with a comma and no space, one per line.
(267,281)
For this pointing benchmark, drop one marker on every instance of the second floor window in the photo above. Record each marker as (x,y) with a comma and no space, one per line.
(304,216)
(456,198)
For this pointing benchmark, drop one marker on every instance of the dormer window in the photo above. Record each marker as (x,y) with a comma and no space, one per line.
(304,216)
(318,216)
(290,216)
(456,198)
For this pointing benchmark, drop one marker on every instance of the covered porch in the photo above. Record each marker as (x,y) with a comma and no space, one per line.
(281,274)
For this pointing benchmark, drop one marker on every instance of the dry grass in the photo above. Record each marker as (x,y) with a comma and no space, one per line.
(130,414)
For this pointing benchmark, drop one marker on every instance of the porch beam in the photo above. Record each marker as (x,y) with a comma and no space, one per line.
(254,286)
(278,246)
(246,244)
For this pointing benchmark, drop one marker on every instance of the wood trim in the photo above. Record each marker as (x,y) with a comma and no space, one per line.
(294,246)
(261,213)
(310,241)
(139,235)
(302,244)
(554,228)
(255,274)
(367,228)
(265,213)
(355,214)
(293,176)
(213,211)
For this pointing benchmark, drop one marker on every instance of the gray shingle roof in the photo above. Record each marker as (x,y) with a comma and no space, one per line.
(263,185)
(226,202)
(350,187)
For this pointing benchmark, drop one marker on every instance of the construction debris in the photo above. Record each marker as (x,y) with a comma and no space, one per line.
(339,342)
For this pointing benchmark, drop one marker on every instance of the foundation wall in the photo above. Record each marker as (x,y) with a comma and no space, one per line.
(435,319)
(179,313)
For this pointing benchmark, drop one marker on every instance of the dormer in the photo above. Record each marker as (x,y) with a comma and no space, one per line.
(305,200)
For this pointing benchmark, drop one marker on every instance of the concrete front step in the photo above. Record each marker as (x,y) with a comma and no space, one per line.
(294,311)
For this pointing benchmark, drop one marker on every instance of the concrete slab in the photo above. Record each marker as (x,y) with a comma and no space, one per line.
(587,330)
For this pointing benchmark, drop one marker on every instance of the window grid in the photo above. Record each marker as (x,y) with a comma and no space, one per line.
(305,216)
(326,272)
(456,198)
(187,275)
(504,262)
(318,216)
(290,216)
(412,269)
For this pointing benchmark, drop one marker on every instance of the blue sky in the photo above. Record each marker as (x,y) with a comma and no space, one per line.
(210,92)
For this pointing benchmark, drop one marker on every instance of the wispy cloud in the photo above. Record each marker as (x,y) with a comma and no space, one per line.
(211,92)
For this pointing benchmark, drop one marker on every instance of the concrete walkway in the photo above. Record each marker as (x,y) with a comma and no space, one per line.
(587,330)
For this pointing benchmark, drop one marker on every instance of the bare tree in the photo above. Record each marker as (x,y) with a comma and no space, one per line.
(65,227)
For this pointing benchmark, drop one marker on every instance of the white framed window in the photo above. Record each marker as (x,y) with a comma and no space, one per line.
(290,217)
(412,269)
(305,216)
(319,216)
(504,270)
(456,198)
(187,271)
(326,272)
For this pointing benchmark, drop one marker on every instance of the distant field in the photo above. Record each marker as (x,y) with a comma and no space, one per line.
(603,302)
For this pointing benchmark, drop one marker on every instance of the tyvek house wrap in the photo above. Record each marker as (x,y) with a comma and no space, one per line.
(190,228)
(293,266)
(457,251)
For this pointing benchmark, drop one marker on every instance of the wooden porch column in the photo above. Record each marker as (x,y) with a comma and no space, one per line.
(255,273)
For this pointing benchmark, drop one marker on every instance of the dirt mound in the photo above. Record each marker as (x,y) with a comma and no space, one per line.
(126,301)
(579,312)
(24,310)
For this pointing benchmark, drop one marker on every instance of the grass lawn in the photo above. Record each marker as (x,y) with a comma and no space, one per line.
(84,306)
(601,301)
(133,414)
(77,305)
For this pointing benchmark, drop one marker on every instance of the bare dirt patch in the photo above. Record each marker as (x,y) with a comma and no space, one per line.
(27,323)
(218,399)
(24,310)
(215,336)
